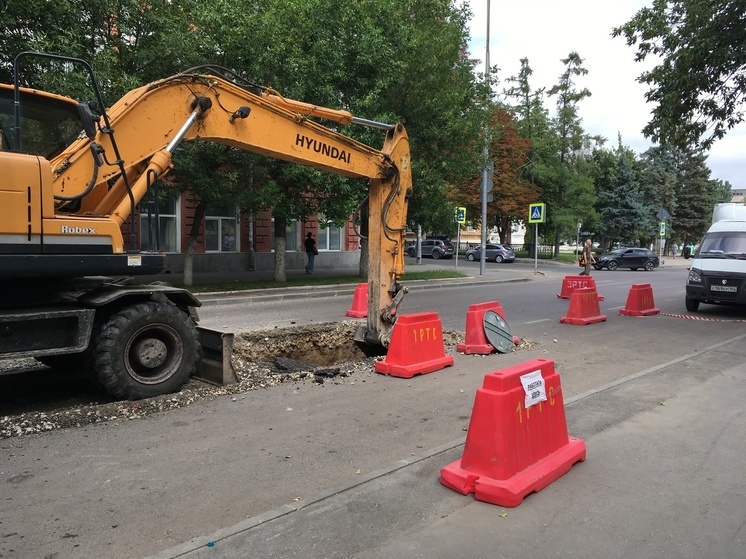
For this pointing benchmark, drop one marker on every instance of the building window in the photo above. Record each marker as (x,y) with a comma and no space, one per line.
(292,235)
(330,236)
(221,225)
(161,235)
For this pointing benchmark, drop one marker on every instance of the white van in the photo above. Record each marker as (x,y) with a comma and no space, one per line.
(718,272)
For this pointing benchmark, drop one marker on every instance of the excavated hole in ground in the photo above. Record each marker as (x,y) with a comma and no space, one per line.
(319,345)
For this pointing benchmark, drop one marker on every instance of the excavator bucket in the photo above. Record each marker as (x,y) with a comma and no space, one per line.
(216,366)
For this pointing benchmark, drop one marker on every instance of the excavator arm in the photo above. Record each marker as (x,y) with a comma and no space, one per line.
(90,188)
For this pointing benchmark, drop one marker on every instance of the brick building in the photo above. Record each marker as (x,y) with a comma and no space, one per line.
(230,241)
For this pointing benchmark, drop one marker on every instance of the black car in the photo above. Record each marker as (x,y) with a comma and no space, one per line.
(632,258)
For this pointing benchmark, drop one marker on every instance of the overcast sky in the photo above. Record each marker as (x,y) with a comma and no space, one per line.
(546,31)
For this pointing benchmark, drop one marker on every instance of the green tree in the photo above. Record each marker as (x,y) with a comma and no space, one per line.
(206,173)
(696,193)
(533,123)
(698,84)
(383,60)
(512,192)
(572,141)
(127,42)
(624,211)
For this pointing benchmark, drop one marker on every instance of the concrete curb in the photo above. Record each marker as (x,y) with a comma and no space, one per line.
(291,293)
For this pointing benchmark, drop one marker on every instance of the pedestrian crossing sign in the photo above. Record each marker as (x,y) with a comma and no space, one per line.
(537,213)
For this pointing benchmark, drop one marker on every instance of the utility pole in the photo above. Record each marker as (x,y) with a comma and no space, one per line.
(486,167)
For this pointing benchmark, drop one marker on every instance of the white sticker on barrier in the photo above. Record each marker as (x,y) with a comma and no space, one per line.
(533,386)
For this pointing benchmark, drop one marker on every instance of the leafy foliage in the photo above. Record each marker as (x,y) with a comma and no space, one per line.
(392,61)
(696,195)
(699,83)
(623,208)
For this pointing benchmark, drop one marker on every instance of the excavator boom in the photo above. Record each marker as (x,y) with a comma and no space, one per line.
(69,195)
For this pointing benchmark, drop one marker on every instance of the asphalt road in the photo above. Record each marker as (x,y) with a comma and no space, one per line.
(133,489)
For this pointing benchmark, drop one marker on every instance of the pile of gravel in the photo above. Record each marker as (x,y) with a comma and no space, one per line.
(323,353)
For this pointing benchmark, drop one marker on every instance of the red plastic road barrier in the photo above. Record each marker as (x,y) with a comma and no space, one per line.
(571,283)
(584,308)
(517,441)
(416,347)
(359,302)
(476,339)
(640,301)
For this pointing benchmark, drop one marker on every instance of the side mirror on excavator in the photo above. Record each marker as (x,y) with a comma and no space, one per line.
(88,118)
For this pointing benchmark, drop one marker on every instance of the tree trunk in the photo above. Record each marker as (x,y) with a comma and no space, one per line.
(280,249)
(363,264)
(199,214)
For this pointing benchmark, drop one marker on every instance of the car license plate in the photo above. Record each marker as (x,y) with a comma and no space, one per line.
(725,288)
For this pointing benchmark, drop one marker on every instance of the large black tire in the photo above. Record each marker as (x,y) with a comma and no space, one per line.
(498,259)
(612,265)
(649,266)
(146,350)
(692,305)
(436,255)
(470,257)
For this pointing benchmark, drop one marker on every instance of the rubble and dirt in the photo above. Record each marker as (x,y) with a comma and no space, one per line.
(321,353)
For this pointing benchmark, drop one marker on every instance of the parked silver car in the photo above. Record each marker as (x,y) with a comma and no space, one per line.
(498,253)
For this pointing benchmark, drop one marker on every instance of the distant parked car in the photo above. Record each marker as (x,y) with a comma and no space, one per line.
(434,248)
(632,258)
(498,253)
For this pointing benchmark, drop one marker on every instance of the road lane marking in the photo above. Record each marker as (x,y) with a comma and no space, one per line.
(537,321)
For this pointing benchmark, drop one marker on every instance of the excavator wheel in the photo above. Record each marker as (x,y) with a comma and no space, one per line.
(145,350)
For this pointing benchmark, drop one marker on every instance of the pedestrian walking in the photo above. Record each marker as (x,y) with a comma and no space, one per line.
(587,259)
(674,250)
(311,252)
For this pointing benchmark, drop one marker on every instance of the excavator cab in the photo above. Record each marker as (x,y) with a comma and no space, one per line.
(48,123)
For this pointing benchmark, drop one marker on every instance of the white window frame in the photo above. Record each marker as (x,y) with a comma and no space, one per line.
(292,235)
(225,224)
(170,226)
(325,228)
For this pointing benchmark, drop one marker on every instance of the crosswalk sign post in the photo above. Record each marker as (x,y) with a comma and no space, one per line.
(461,220)
(537,213)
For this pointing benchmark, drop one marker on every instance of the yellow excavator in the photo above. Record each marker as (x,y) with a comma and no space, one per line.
(73,174)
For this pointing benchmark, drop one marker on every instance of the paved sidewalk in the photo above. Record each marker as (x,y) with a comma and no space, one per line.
(662,478)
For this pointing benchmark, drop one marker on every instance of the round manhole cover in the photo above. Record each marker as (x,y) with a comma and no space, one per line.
(498,332)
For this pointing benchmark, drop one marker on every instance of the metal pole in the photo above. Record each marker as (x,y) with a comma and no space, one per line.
(485,154)
(418,244)
(458,242)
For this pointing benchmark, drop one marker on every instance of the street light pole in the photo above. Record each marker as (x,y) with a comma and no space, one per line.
(485,153)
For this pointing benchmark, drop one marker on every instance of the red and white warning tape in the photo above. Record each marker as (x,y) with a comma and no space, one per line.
(690,317)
